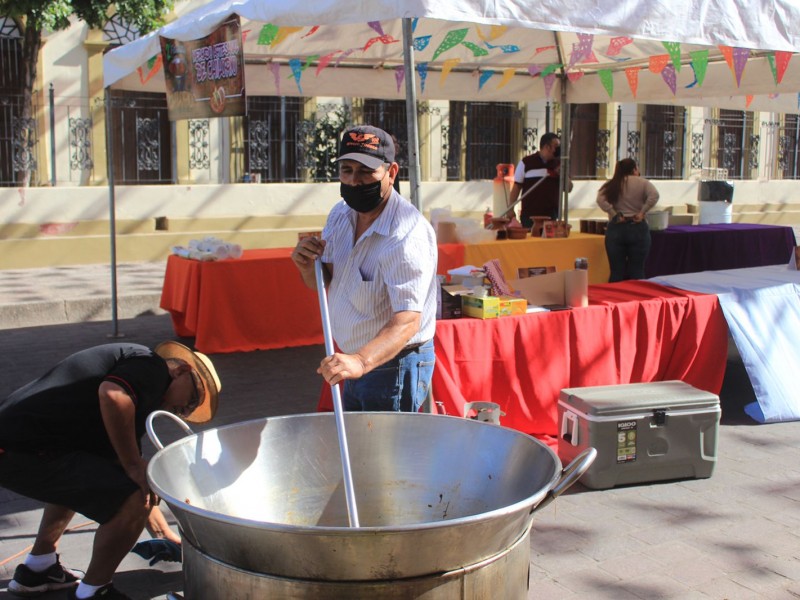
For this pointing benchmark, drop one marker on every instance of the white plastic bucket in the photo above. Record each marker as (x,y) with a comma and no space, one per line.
(657,220)
(715,212)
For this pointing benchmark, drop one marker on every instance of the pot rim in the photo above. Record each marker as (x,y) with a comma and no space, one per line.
(529,502)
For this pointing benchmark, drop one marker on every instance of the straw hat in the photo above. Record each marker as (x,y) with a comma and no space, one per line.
(202,364)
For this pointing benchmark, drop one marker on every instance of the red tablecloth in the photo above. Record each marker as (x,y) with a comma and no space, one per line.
(631,332)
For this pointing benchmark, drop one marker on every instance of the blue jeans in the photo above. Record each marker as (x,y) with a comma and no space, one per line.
(399,385)
(627,247)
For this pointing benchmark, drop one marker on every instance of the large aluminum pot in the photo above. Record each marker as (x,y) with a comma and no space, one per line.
(434,493)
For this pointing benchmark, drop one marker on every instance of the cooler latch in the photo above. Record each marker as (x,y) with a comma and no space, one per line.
(659,416)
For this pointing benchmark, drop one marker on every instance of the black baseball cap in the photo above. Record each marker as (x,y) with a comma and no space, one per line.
(368,145)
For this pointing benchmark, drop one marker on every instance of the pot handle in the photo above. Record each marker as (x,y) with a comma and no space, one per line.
(162,413)
(569,475)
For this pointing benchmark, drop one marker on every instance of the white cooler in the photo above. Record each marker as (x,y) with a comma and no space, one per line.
(641,431)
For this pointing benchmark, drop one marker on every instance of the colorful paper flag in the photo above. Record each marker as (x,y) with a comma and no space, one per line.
(549,69)
(740,56)
(376,25)
(268,33)
(535,70)
(485,76)
(476,50)
(399,76)
(670,78)
(549,80)
(699,62)
(508,75)
(311,31)
(422,69)
(297,71)
(383,39)
(275,68)
(420,43)
(748,99)
(674,49)
(153,66)
(658,62)
(582,49)
(616,44)
(495,31)
(781,64)
(325,60)
(505,48)
(632,75)
(447,66)
(450,41)
(574,76)
(607,79)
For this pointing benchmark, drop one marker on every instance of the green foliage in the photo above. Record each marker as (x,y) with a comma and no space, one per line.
(321,144)
(53,15)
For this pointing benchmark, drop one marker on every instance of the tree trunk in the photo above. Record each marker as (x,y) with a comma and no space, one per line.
(26,143)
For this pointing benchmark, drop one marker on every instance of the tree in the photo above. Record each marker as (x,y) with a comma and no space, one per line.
(37,16)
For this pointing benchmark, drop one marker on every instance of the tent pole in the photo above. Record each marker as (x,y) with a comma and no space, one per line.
(112,212)
(411,116)
(563,179)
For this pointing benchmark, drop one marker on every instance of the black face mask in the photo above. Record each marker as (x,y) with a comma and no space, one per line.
(362,198)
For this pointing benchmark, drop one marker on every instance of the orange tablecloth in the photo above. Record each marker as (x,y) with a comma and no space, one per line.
(631,332)
(538,252)
(259,301)
(256,302)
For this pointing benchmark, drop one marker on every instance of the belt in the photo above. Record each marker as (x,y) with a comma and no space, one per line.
(411,347)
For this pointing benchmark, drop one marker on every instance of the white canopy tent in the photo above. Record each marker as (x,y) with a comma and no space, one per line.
(686,52)
(735,53)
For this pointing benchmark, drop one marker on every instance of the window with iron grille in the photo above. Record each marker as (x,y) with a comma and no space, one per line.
(390,115)
(488,137)
(730,148)
(789,145)
(10,98)
(664,131)
(584,125)
(270,147)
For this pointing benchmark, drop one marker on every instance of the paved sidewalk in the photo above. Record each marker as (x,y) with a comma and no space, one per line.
(75,294)
(733,536)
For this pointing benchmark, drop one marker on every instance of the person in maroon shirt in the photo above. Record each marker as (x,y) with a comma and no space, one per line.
(72,440)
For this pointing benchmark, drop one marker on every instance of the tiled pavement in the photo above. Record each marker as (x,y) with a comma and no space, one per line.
(734,536)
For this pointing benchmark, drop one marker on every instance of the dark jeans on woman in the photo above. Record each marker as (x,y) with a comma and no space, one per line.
(627,246)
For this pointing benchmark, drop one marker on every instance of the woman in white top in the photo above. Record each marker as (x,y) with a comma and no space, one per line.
(626,198)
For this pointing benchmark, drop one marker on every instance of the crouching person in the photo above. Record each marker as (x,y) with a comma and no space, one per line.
(72,440)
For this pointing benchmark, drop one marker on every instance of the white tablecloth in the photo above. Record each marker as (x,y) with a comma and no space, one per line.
(762,308)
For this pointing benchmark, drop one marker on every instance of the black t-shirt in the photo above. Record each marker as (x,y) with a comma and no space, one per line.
(61,409)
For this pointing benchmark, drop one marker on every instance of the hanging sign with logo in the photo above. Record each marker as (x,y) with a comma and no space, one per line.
(205,77)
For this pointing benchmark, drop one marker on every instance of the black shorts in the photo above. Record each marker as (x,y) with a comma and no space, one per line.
(92,485)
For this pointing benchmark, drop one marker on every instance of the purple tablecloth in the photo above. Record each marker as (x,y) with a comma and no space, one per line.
(693,248)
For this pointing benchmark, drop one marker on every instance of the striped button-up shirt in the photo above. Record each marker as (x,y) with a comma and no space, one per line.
(391,268)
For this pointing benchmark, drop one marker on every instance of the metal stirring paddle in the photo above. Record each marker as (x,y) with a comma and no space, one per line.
(338,411)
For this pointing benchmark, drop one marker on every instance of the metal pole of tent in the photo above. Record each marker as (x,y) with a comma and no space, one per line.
(411,116)
(112,216)
(563,179)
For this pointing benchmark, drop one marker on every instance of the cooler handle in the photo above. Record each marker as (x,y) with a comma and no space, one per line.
(569,428)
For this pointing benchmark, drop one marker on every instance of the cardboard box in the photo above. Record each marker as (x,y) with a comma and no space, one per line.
(568,288)
(486,307)
(449,301)
(510,305)
(491,307)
